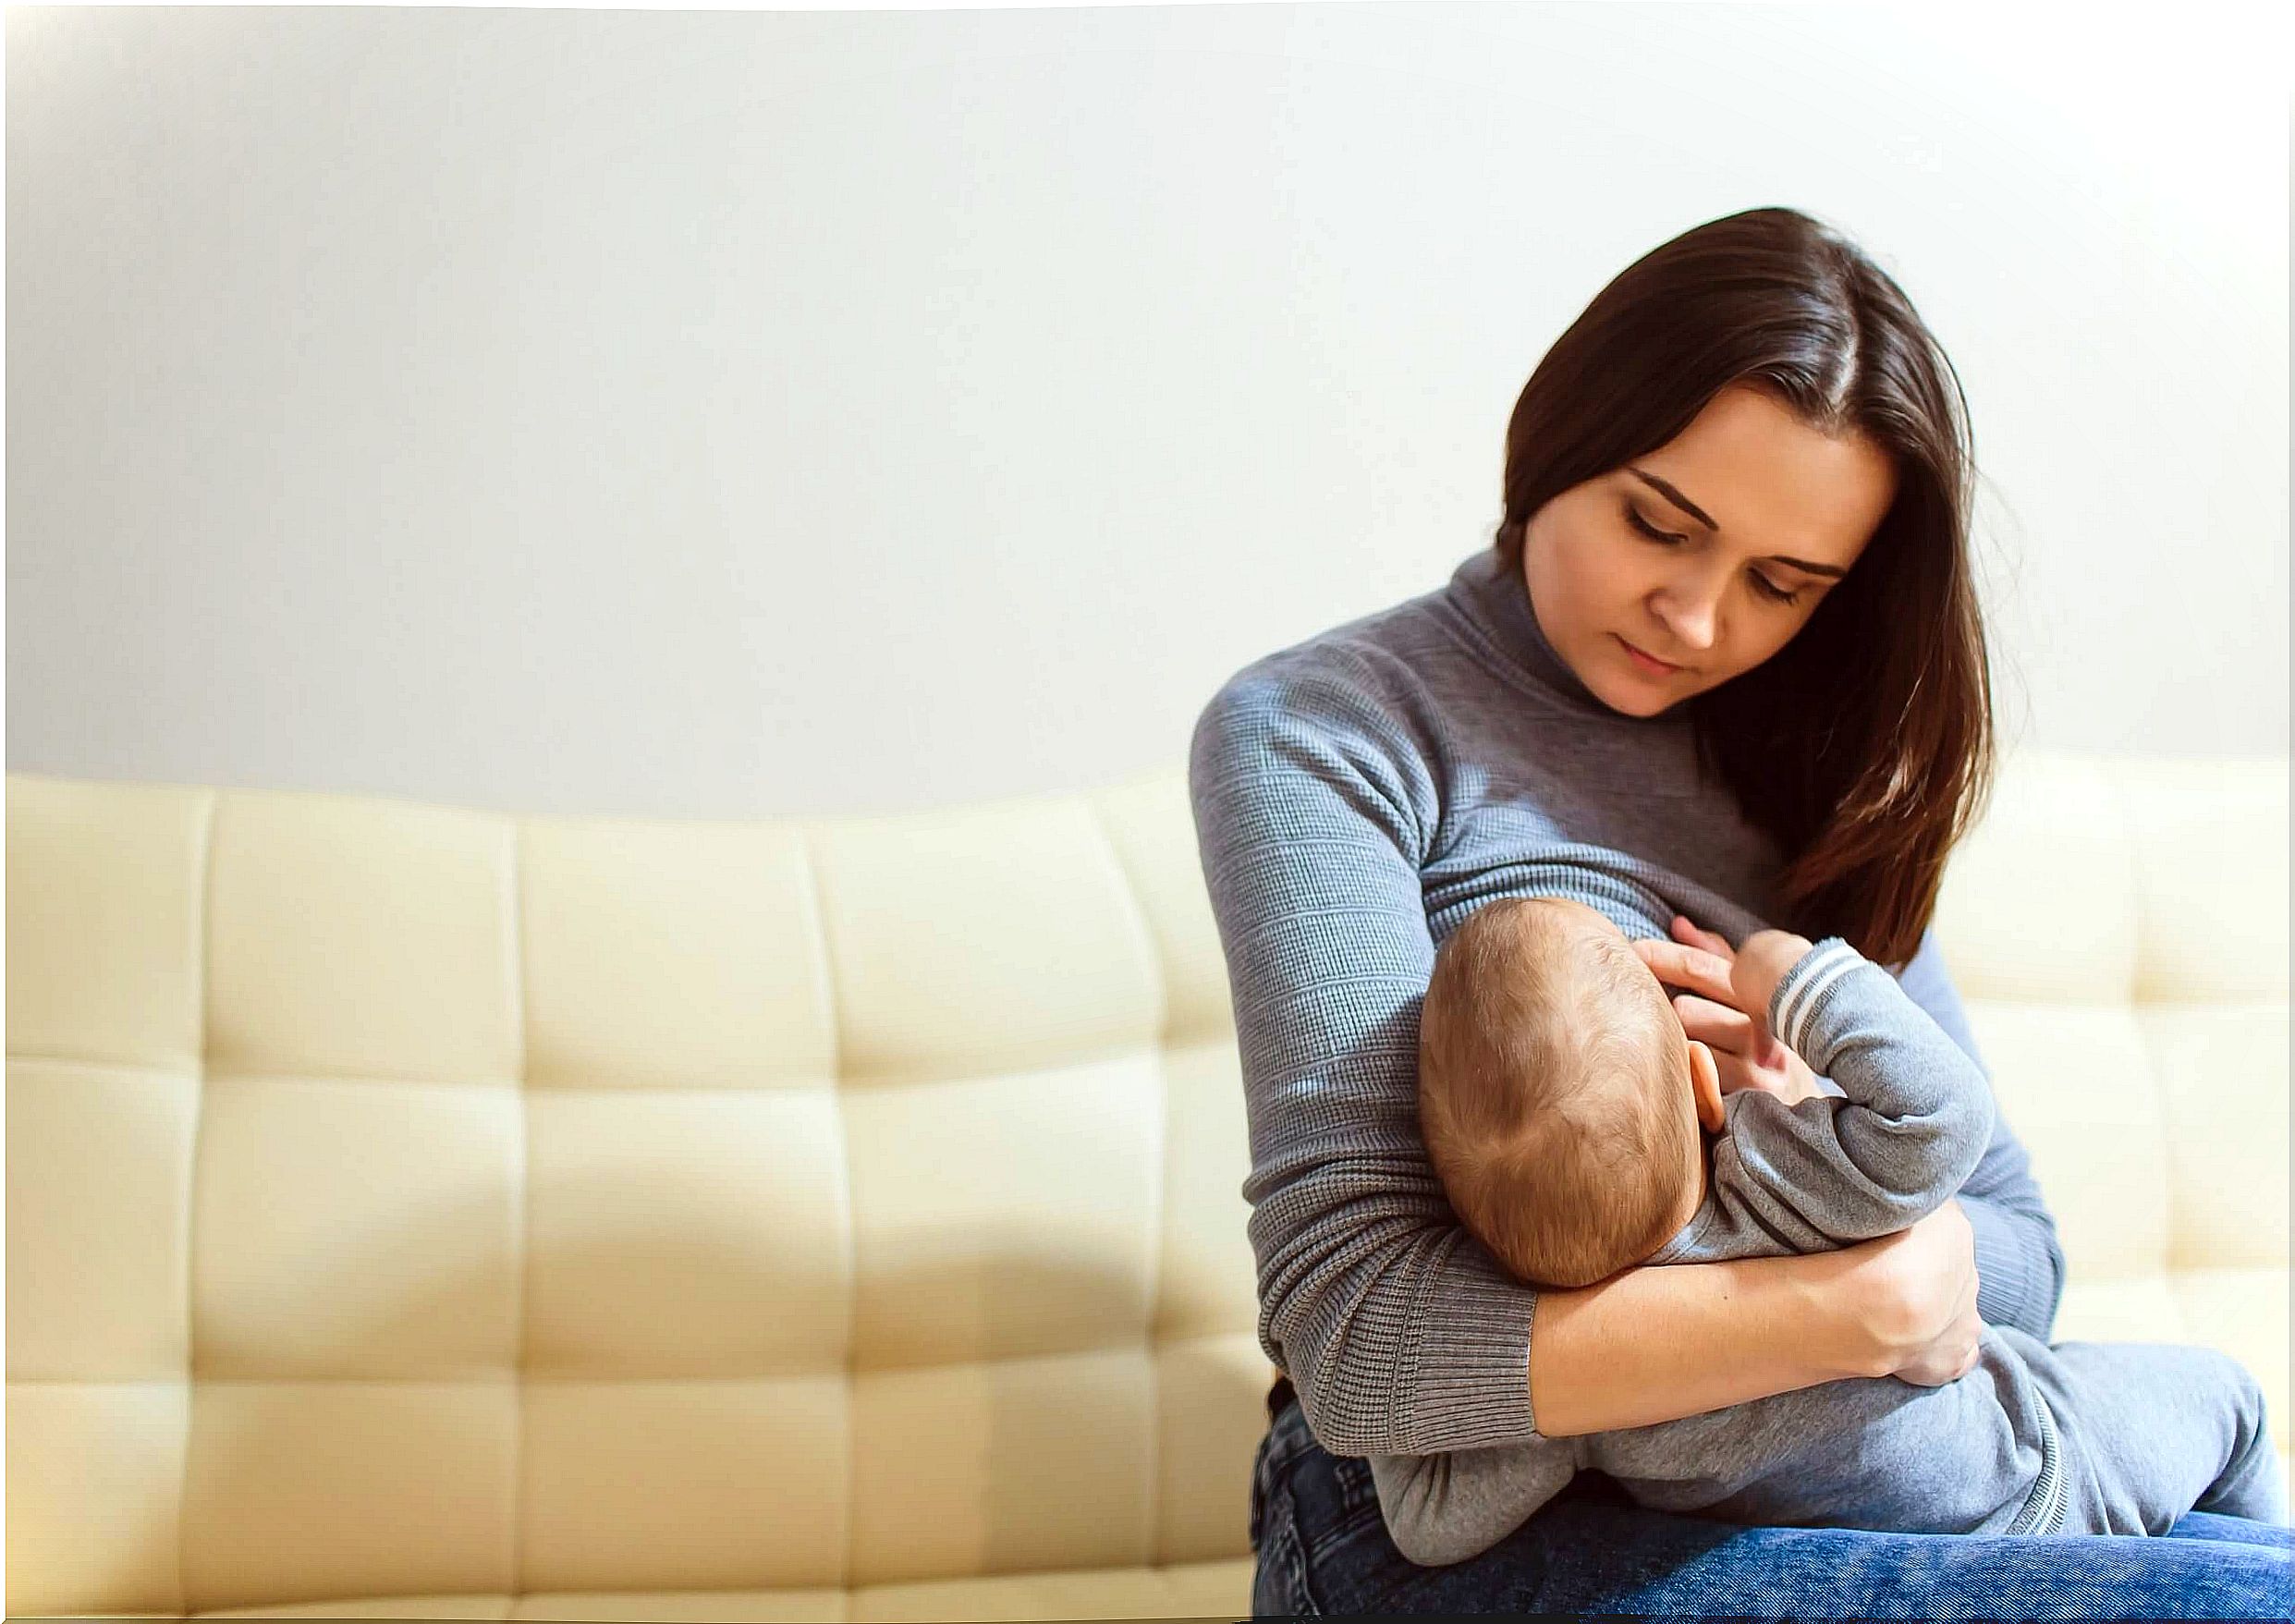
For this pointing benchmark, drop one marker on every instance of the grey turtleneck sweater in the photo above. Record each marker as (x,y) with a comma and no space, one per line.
(1356,795)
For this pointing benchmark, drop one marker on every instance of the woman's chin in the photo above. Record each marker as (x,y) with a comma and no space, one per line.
(1626,687)
(1639,702)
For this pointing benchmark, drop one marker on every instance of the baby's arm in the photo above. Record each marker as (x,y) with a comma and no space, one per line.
(1447,1507)
(1914,1116)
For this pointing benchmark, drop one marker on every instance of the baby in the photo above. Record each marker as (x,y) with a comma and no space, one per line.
(1565,1111)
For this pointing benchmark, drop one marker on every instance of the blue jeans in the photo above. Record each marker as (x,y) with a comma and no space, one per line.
(1323,1547)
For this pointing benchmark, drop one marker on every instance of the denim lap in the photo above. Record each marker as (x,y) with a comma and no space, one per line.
(1326,1549)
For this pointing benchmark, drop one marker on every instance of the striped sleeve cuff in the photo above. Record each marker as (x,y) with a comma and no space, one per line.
(1803,990)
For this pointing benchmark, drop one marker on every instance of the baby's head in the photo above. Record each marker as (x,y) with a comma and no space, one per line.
(1555,1093)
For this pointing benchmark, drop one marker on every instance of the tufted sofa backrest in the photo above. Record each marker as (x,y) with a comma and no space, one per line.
(412,1201)
(405,1199)
(2118,929)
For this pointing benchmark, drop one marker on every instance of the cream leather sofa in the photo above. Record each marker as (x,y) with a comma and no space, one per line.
(413,1210)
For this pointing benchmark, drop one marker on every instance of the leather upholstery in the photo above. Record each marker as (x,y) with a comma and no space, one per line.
(413,1209)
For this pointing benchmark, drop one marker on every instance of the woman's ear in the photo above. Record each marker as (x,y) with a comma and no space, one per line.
(1705,1085)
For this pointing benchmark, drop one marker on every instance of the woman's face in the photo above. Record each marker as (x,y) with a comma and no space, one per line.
(1781,513)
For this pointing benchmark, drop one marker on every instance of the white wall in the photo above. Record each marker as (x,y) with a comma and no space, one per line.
(714,414)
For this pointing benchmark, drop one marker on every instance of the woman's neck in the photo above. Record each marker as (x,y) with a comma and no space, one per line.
(1492,594)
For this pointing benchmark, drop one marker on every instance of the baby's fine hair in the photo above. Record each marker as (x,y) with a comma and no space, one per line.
(1552,1096)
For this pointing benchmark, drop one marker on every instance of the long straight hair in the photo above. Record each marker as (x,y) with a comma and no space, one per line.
(1864,747)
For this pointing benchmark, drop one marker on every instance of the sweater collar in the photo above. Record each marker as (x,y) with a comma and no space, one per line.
(1497,600)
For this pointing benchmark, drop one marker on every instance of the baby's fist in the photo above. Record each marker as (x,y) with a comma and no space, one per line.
(1761,963)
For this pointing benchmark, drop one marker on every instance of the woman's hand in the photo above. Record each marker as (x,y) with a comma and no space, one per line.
(1745,1052)
(1922,1318)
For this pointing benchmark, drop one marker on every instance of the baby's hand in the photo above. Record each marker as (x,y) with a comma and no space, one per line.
(1761,963)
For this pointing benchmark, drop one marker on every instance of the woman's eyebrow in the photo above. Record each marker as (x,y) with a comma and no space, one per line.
(1694,511)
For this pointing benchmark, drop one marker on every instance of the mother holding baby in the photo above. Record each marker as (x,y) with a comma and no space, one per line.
(1727,625)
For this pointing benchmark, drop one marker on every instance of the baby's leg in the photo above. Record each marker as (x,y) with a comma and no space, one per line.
(2161,1429)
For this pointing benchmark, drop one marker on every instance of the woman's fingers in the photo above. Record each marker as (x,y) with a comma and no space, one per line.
(1687,932)
(1716,1026)
(1732,1074)
(1681,965)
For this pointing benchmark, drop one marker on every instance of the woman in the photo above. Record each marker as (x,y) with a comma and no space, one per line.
(1728,625)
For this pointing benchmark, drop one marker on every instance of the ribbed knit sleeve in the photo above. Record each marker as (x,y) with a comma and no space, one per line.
(1313,812)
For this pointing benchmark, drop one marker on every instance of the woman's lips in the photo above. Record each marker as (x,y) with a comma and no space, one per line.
(1653,665)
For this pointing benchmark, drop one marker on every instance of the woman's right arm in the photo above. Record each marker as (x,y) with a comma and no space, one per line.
(1315,812)
(1657,1344)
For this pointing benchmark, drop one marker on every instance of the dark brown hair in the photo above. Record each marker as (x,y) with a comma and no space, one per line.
(1553,1093)
(1864,746)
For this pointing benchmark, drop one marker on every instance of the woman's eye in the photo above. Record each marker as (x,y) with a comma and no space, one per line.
(1762,583)
(1633,516)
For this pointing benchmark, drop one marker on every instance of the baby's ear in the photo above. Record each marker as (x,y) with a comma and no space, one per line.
(1705,1085)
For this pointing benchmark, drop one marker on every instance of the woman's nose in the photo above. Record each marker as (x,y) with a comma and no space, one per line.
(1691,618)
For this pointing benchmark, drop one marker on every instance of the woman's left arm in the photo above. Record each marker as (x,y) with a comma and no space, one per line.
(2019,1262)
